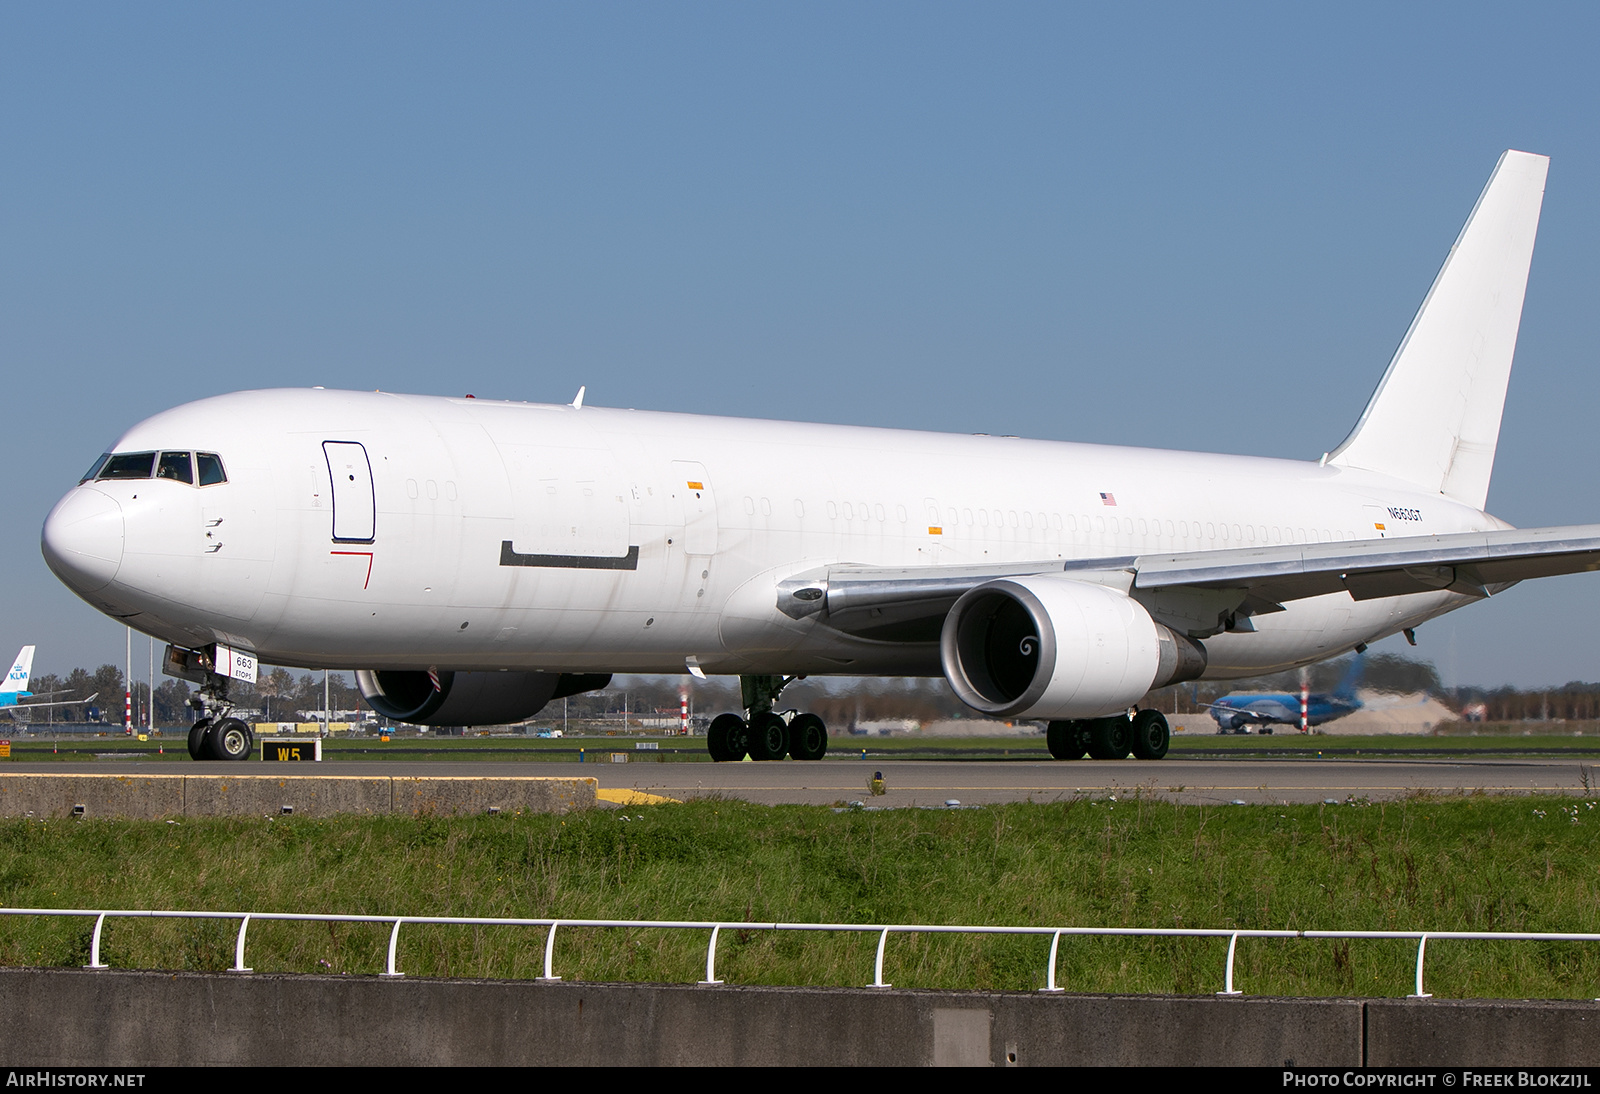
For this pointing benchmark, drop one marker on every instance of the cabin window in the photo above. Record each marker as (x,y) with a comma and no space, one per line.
(128,465)
(878,512)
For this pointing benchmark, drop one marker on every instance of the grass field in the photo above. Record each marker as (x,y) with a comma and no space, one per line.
(1439,864)
(1494,741)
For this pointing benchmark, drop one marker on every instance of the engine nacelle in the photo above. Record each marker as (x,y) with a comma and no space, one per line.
(469,698)
(1046,646)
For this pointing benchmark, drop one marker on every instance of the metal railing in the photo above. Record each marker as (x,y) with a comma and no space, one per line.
(883,931)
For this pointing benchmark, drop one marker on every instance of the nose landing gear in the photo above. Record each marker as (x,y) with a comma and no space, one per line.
(766,736)
(218,735)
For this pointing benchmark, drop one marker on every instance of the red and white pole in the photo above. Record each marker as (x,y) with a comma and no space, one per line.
(127,694)
(1305,706)
(683,715)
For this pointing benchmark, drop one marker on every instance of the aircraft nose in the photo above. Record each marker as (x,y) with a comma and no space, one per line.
(82,539)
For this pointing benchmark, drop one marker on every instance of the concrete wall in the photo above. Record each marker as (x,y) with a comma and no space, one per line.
(70,1017)
(146,797)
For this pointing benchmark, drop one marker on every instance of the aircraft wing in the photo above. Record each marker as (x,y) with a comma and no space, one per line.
(40,706)
(1203,592)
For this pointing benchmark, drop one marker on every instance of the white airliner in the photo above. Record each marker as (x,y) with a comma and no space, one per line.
(479,558)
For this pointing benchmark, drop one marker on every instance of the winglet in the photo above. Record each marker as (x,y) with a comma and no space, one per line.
(17,680)
(577,401)
(1435,419)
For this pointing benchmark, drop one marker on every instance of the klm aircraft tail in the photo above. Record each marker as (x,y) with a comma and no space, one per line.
(16,685)
(1435,418)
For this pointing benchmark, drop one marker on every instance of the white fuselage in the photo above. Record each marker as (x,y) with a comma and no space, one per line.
(719,510)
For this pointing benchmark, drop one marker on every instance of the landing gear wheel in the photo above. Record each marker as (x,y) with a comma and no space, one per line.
(808,738)
(1067,740)
(727,738)
(231,739)
(769,737)
(1150,735)
(1110,738)
(197,739)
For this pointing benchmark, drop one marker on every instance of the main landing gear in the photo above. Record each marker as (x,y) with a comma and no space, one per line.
(218,735)
(1144,733)
(766,736)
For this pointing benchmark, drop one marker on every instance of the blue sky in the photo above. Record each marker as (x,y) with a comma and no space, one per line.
(1188,226)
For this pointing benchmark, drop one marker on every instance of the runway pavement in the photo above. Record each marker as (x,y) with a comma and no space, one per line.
(911,783)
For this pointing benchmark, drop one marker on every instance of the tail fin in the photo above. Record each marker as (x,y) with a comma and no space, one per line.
(1352,677)
(17,680)
(1435,418)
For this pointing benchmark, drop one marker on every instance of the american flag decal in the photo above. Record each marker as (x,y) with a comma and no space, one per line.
(1108,499)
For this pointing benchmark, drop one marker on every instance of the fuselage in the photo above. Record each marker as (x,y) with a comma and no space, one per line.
(656,538)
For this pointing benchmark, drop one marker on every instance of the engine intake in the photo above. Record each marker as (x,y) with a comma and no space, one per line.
(469,698)
(1045,646)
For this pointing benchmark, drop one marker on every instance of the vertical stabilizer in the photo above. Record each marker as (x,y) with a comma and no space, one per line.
(1346,688)
(17,679)
(1435,418)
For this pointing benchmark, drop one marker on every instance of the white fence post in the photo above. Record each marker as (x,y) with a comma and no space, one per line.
(1227,982)
(877,968)
(394,940)
(238,948)
(711,959)
(94,944)
(549,955)
(1050,974)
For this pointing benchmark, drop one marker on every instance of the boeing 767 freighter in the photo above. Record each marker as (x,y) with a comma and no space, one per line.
(476,559)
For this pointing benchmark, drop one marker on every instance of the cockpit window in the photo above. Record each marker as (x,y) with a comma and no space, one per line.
(95,468)
(211,471)
(175,466)
(128,465)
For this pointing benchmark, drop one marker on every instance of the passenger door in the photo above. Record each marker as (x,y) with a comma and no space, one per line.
(354,507)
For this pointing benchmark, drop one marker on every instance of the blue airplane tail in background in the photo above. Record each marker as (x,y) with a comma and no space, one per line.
(16,685)
(1346,688)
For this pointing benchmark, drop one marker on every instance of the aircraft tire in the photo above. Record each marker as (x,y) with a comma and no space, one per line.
(1151,737)
(1110,738)
(727,738)
(197,739)
(230,739)
(769,737)
(1067,740)
(808,737)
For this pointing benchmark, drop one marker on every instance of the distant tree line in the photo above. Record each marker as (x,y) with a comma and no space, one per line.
(280,694)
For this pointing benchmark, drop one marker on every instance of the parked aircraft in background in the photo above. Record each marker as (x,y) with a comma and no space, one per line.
(478,558)
(1236,713)
(15,689)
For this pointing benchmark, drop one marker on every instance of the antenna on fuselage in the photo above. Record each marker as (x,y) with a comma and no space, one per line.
(577,400)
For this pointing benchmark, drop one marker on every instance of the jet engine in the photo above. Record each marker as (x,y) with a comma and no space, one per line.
(1046,646)
(469,698)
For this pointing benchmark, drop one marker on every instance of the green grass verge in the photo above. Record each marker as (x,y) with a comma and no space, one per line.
(1441,864)
(692,750)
